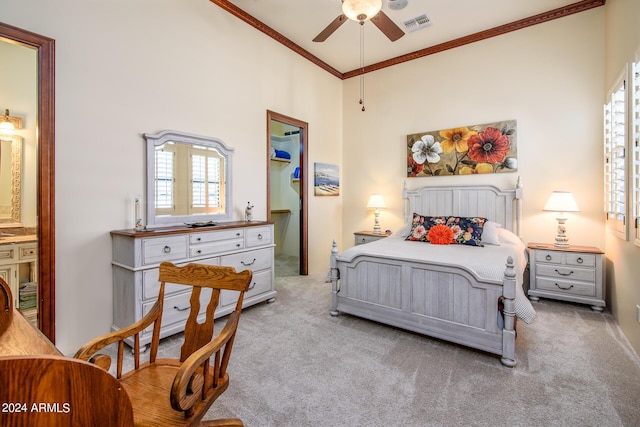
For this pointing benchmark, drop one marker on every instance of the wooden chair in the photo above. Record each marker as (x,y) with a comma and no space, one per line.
(168,392)
(56,391)
(6,306)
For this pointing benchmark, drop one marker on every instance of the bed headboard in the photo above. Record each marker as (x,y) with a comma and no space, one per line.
(501,206)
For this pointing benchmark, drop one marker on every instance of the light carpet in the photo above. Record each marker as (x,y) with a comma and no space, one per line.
(295,365)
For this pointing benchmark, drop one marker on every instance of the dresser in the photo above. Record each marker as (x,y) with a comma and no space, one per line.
(362,237)
(137,255)
(572,273)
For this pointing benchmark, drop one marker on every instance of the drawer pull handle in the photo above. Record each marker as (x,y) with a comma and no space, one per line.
(253,285)
(548,257)
(259,236)
(564,289)
(580,260)
(238,234)
(199,239)
(237,245)
(166,249)
(246,264)
(199,251)
(180,309)
(564,274)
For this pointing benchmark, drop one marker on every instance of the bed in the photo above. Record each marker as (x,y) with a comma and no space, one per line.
(469,295)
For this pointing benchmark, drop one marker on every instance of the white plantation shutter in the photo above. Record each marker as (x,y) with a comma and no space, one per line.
(635,144)
(206,179)
(165,179)
(615,158)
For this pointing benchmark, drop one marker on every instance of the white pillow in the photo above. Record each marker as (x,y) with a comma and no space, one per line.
(490,233)
(403,232)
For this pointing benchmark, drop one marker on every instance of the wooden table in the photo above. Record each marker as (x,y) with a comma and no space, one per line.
(20,338)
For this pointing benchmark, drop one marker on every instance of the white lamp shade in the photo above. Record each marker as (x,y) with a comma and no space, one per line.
(6,126)
(361,10)
(561,201)
(376,202)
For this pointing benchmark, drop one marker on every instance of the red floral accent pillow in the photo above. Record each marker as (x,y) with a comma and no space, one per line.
(440,235)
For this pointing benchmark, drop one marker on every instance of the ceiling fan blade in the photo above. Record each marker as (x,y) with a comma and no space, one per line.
(334,25)
(387,26)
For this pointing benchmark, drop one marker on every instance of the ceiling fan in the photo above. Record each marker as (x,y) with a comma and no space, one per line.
(362,11)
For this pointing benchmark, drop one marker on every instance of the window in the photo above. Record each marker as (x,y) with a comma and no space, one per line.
(207,179)
(165,178)
(615,157)
(635,144)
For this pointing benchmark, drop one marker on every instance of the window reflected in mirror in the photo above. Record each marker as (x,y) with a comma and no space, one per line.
(188,179)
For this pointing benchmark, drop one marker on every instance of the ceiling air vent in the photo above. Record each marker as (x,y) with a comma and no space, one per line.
(417,23)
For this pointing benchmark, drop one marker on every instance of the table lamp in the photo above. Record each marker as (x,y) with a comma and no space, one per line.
(561,201)
(376,202)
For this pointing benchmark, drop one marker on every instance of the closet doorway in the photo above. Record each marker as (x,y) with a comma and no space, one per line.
(287,145)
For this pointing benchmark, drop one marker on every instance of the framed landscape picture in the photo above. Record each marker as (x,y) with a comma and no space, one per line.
(326,181)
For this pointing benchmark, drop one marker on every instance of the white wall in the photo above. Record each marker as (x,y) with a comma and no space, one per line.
(622,41)
(124,68)
(548,77)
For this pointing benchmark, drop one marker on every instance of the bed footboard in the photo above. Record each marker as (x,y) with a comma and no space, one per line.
(444,302)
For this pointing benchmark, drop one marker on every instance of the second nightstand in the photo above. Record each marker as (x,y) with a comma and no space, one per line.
(572,273)
(362,237)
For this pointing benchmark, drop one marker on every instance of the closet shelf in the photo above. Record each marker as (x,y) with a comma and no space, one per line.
(279,160)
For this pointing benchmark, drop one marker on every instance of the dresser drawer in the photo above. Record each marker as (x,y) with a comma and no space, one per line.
(176,308)
(258,236)
(156,250)
(213,236)
(214,248)
(562,272)
(260,283)
(258,259)
(566,287)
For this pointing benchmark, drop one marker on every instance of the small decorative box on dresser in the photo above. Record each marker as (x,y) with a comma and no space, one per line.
(572,273)
(362,237)
(137,255)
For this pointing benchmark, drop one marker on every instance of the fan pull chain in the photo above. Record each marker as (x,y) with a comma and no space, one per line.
(362,64)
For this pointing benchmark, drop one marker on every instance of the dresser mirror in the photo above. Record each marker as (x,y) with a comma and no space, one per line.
(188,179)
(10,180)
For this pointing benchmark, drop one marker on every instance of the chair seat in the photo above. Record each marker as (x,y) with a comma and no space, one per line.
(148,389)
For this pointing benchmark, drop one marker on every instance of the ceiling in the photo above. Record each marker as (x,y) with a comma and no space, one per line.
(299,21)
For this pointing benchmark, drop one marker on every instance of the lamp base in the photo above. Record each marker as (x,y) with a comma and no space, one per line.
(376,224)
(562,240)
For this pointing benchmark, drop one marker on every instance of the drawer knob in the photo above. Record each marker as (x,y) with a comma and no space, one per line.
(180,309)
(564,274)
(548,257)
(166,249)
(246,264)
(237,245)
(564,289)
(238,234)
(580,260)
(199,239)
(259,236)
(199,251)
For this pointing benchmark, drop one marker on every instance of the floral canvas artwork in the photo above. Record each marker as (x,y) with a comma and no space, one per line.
(486,148)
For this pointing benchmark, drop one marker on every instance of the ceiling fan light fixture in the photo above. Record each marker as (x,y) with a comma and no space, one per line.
(361,10)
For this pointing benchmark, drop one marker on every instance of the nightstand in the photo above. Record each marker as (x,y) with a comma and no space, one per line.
(362,237)
(571,273)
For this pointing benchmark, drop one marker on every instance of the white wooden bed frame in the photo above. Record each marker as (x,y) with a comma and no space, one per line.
(441,301)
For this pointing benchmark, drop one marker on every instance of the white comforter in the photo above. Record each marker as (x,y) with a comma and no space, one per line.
(487,263)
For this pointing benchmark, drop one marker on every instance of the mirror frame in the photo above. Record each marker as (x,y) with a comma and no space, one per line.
(15,213)
(45,47)
(155,140)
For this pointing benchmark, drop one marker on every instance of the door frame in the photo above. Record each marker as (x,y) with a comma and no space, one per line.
(304,148)
(45,48)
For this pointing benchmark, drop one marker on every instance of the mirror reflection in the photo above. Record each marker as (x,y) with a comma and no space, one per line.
(188,179)
(10,180)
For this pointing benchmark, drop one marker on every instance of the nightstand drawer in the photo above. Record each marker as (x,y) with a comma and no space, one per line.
(562,272)
(553,257)
(566,287)
(582,260)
